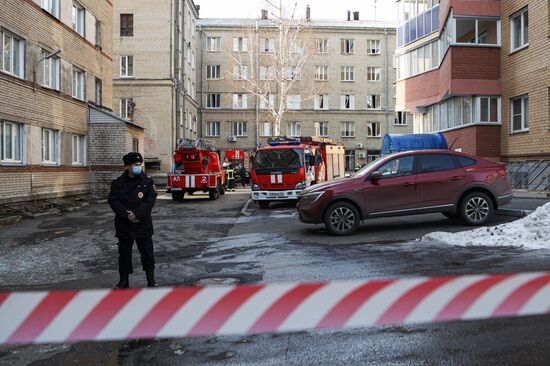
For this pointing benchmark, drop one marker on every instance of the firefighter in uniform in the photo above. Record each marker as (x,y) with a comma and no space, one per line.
(132,198)
(230,177)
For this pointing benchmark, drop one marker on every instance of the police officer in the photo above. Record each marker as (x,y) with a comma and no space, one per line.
(132,198)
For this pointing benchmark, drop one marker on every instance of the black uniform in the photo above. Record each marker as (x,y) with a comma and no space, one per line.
(137,194)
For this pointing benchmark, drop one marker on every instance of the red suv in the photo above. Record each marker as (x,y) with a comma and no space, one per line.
(406,183)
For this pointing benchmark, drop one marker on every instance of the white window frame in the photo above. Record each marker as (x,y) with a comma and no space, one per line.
(79,19)
(374,71)
(293,73)
(79,83)
(321,129)
(240,101)
(294,102)
(376,48)
(53,146)
(267,72)
(213,129)
(476,32)
(240,72)
(52,7)
(267,101)
(126,71)
(321,45)
(125,107)
(374,127)
(213,44)
(295,45)
(477,109)
(523,42)
(321,102)
(375,101)
(347,46)
(266,129)
(347,129)
(213,72)
(524,113)
(17,142)
(78,150)
(347,99)
(16,52)
(267,45)
(239,129)
(400,116)
(321,73)
(211,98)
(347,73)
(51,72)
(240,44)
(294,129)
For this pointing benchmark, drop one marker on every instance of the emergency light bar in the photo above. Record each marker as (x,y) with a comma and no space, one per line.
(280,143)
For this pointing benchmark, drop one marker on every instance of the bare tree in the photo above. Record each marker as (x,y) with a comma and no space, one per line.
(272,63)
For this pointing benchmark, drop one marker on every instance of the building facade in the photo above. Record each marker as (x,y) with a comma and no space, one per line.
(343,90)
(477,71)
(55,58)
(155,57)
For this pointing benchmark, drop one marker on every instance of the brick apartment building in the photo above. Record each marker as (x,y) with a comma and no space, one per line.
(55,57)
(155,57)
(345,89)
(479,72)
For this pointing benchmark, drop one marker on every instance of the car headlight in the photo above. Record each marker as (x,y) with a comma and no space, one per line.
(255,187)
(313,196)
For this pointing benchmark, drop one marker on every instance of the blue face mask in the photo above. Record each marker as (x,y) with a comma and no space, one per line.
(136,170)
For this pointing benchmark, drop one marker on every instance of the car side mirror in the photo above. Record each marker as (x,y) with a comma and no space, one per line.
(375,176)
(347,175)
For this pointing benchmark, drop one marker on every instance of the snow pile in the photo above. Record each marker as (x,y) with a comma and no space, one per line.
(532,231)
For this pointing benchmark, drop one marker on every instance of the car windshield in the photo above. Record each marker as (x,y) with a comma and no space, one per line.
(278,159)
(369,167)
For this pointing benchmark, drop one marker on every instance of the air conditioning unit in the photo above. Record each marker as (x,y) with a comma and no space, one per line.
(362,155)
(232,139)
(359,145)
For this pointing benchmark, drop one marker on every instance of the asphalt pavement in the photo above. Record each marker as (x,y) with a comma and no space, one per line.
(200,242)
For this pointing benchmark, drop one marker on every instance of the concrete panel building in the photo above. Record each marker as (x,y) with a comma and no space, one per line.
(55,58)
(345,89)
(155,48)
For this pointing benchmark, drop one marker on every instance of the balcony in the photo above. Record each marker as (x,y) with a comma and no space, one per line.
(426,22)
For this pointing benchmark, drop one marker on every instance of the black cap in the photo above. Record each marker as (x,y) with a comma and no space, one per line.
(132,158)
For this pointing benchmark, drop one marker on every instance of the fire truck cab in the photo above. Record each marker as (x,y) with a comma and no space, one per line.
(287,166)
(197,168)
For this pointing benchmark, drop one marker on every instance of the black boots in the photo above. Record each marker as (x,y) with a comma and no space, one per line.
(151,278)
(124,281)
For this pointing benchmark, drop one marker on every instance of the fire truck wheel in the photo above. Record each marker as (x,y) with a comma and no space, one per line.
(178,195)
(342,218)
(264,204)
(213,194)
(221,189)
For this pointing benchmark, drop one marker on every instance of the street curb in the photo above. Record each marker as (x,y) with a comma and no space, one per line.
(513,212)
(245,207)
(516,193)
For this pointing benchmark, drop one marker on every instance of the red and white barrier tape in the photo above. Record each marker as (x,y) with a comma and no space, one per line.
(96,315)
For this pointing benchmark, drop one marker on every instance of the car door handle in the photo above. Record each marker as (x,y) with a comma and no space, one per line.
(407,184)
(456,178)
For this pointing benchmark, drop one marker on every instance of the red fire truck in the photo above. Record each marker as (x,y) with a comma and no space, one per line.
(285,167)
(196,169)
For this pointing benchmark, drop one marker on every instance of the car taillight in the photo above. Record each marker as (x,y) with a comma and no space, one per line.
(502,172)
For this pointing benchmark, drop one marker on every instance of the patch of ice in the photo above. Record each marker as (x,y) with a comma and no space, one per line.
(532,231)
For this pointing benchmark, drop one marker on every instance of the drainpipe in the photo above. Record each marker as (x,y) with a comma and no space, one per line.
(200,101)
(386,91)
(257,85)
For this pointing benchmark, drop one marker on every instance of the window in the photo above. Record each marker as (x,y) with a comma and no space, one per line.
(321,129)
(240,44)
(213,44)
(519,30)
(240,72)
(127,108)
(400,167)
(240,101)
(294,102)
(11,142)
(321,45)
(488,109)
(520,113)
(51,71)
(50,146)
(239,129)
(79,84)
(212,129)
(12,54)
(97,33)
(294,129)
(295,46)
(373,73)
(98,91)
(79,150)
(79,19)
(126,25)
(430,163)
(293,73)
(400,118)
(267,45)
(347,46)
(267,101)
(126,66)
(349,160)
(347,129)
(213,72)
(464,161)
(135,145)
(373,101)
(321,102)
(477,31)
(193,64)
(373,46)
(321,73)
(372,155)
(347,101)
(373,129)
(51,6)
(213,100)
(347,73)
(267,73)
(266,129)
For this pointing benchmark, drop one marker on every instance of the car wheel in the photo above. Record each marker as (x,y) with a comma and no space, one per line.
(178,196)
(263,204)
(342,218)
(476,209)
(213,194)
(221,189)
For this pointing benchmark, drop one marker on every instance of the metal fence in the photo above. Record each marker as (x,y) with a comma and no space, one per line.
(532,175)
